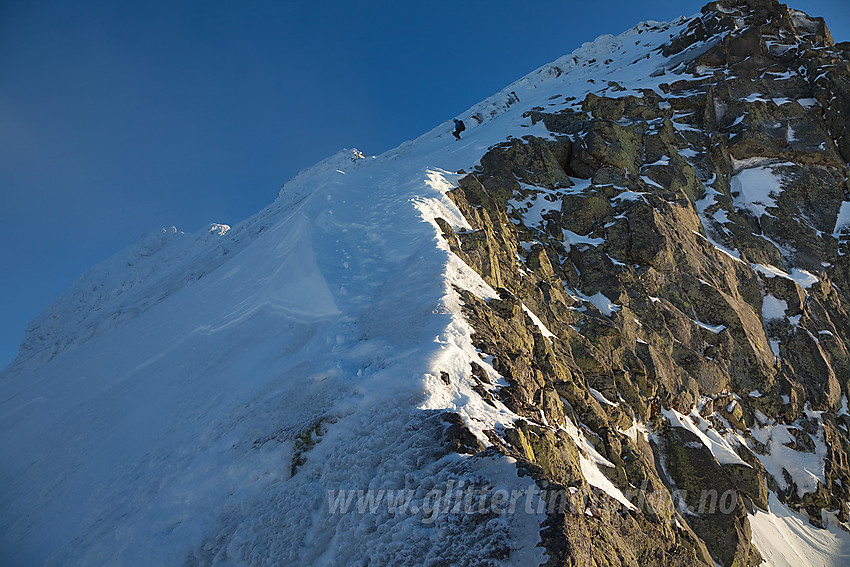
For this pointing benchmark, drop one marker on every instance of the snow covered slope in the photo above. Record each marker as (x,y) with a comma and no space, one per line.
(170,436)
(230,397)
(152,417)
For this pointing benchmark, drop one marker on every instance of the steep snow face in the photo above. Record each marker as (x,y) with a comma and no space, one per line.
(786,539)
(161,263)
(168,398)
(120,288)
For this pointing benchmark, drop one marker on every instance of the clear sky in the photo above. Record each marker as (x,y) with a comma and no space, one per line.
(118,118)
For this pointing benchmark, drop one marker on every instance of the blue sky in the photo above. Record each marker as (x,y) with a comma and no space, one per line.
(119,118)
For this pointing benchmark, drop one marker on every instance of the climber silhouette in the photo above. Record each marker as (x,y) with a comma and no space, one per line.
(459,127)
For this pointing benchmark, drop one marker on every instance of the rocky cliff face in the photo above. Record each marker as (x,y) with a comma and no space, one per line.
(673,276)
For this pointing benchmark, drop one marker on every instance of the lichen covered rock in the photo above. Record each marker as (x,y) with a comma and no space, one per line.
(674,247)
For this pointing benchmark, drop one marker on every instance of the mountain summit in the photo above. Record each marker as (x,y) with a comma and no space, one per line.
(609,326)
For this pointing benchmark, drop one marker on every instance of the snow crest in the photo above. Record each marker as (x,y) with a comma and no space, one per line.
(253,378)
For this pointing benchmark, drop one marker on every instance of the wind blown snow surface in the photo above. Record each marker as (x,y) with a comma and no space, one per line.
(786,539)
(169,438)
(206,399)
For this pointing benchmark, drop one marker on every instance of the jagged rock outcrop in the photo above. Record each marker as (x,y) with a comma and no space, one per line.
(676,248)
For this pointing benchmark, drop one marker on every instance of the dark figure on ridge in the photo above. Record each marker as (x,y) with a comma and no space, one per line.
(459,127)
